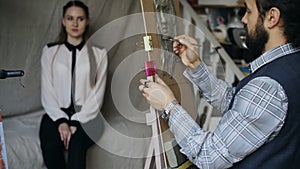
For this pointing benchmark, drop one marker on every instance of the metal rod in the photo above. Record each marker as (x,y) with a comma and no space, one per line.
(173,40)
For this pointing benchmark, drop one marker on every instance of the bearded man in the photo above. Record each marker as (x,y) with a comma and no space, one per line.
(260,126)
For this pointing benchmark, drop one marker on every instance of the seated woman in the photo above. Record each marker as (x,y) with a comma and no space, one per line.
(73,86)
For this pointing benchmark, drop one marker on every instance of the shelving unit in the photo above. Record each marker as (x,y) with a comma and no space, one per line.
(197,15)
(211,9)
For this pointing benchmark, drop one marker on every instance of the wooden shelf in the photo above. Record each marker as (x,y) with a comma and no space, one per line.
(238,4)
(217,6)
(224,42)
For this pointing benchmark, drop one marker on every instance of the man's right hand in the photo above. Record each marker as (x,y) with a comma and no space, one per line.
(65,134)
(183,46)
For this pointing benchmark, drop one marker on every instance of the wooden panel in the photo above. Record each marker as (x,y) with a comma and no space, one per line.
(182,91)
(150,24)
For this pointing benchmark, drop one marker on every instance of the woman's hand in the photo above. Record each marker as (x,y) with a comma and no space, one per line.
(65,134)
(158,94)
(73,129)
(188,52)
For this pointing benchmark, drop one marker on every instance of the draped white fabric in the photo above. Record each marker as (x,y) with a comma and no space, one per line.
(28,25)
(25,27)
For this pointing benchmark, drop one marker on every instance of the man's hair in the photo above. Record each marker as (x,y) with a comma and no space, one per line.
(289,10)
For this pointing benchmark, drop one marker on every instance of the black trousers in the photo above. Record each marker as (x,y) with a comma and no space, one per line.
(53,149)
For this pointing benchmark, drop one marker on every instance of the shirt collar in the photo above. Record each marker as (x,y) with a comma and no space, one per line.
(72,47)
(272,54)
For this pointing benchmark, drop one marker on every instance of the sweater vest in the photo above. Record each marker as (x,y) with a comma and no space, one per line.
(282,152)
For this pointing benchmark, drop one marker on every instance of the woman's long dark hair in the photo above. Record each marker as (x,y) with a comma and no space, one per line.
(62,37)
(289,10)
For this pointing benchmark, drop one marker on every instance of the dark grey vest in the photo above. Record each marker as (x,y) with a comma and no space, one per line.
(283,152)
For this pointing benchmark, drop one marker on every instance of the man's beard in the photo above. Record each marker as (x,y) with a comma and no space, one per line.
(256,42)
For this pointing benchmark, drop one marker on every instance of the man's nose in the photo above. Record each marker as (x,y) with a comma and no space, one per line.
(244,20)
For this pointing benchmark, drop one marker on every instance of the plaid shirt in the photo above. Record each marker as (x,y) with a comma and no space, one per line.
(256,116)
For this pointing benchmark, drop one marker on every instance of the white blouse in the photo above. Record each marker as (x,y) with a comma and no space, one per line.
(57,78)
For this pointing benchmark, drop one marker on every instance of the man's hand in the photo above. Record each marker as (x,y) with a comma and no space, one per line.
(158,94)
(183,46)
(65,134)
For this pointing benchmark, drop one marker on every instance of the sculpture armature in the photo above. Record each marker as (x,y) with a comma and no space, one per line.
(166,28)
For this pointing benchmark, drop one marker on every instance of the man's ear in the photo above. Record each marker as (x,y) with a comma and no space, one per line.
(273,17)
